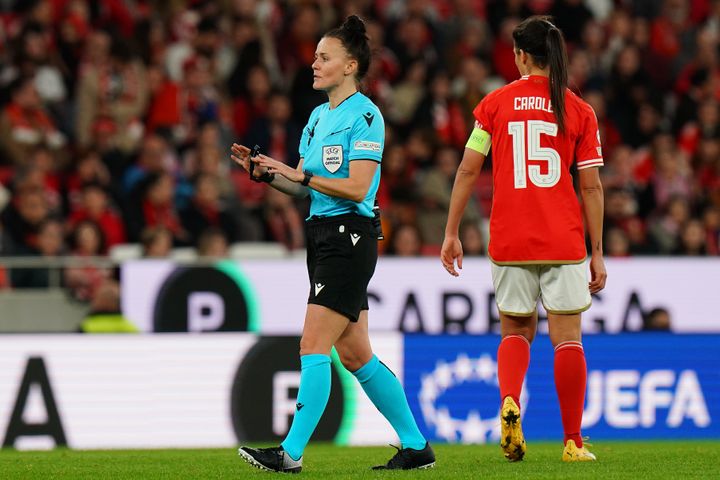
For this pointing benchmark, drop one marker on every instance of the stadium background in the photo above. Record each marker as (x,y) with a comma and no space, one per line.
(119,204)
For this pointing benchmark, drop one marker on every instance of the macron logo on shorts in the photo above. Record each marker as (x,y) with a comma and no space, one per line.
(354,237)
(318,288)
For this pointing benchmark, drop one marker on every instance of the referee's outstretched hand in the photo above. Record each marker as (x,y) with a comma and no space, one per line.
(274,166)
(241,155)
(451,251)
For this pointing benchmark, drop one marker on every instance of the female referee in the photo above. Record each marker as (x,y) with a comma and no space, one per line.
(340,150)
(538,129)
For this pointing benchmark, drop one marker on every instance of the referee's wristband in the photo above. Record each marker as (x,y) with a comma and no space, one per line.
(306,179)
(266,177)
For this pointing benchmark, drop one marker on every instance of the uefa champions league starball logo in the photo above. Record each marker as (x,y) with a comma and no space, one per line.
(473,428)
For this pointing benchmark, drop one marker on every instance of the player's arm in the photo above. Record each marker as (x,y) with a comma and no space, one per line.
(591,192)
(476,150)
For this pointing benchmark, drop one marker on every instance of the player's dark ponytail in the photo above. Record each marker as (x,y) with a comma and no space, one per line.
(353,36)
(558,61)
(538,37)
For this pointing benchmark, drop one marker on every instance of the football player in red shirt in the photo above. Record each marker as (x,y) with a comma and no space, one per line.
(537,129)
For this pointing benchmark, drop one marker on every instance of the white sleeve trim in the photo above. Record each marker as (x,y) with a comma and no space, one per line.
(595,162)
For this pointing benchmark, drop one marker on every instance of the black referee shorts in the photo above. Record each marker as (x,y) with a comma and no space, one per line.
(342,253)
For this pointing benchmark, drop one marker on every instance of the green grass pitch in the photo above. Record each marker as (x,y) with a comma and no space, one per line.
(616,460)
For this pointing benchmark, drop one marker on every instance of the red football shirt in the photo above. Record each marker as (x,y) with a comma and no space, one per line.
(536,216)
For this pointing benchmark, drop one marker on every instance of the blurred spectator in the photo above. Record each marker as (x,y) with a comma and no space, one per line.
(672,177)
(407,94)
(49,243)
(628,87)
(283,220)
(469,40)
(299,39)
(384,68)
(206,210)
(617,243)
(473,241)
(503,9)
(665,228)
(503,48)
(438,110)
(413,42)
(247,45)
(36,58)
(692,239)
(24,217)
(209,160)
(212,244)
(472,84)
(156,242)
(155,156)
(42,171)
(155,207)
(711,221)
(94,206)
(571,16)
(657,320)
(275,132)
(252,103)
(25,124)
(89,169)
(435,189)
(84,280)
(112,88)
(666,30)
(706,127)
(184,107)
(72,34)
(405,242)
(595,47)
(105,315)
(640,243)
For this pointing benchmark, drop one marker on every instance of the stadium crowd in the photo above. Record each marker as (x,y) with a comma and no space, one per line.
(117,117)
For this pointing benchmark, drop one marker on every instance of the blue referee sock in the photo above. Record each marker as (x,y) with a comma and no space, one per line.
(384,390)
(311,401)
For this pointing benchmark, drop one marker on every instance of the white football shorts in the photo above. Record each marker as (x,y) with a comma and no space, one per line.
(563,289)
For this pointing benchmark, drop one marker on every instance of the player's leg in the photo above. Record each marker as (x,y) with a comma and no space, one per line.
(385,391)
(514,352)
(516,293)
(513,359)
(565,294)
(322,328)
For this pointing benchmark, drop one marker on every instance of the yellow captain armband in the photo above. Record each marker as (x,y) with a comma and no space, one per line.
(480,141)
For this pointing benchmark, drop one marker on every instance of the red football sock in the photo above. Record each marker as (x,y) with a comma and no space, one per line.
(513,359)
(570,380)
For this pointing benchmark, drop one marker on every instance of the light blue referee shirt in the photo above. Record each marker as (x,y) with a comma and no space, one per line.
(332,138)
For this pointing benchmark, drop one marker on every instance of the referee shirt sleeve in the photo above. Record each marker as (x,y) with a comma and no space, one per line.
(367,137)
(307,134)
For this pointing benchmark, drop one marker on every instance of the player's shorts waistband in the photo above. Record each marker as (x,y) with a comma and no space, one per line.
(329,220)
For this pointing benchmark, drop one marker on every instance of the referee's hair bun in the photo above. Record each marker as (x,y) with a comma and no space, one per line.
(354,39)
(354,24)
